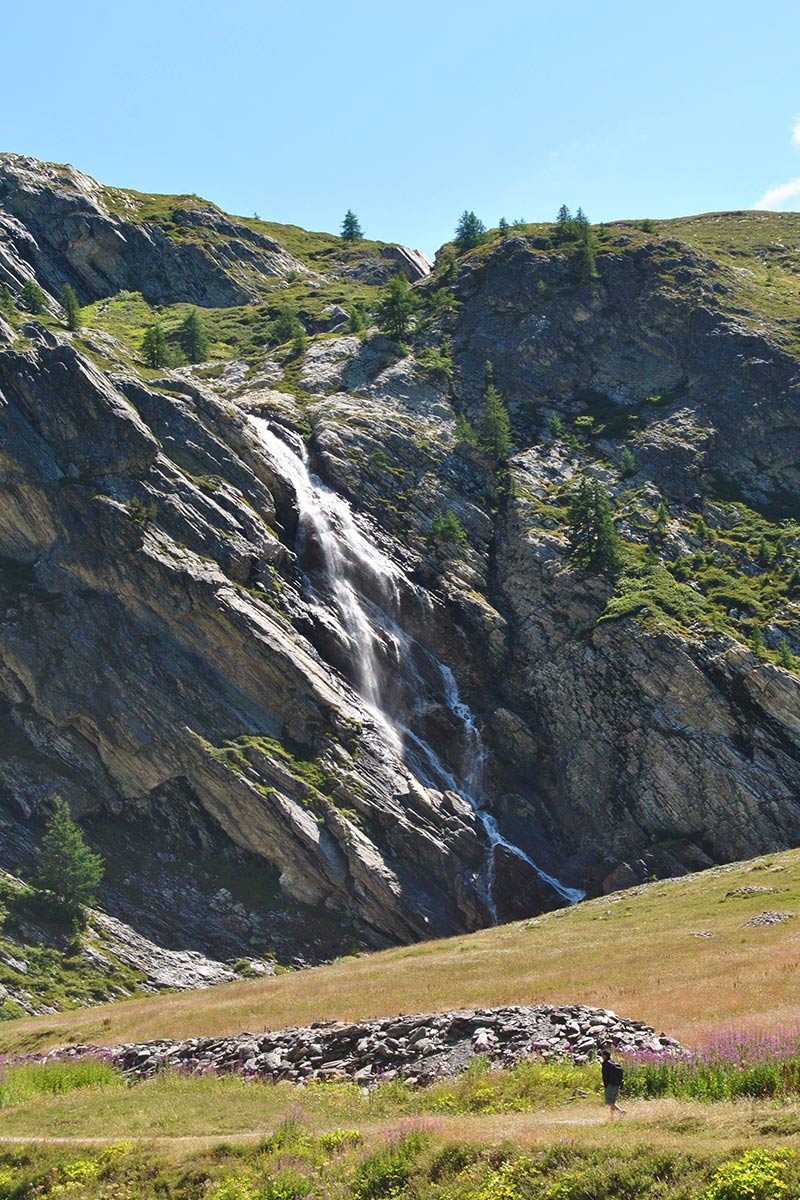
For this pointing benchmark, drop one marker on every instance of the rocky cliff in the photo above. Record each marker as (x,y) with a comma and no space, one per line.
(237,641)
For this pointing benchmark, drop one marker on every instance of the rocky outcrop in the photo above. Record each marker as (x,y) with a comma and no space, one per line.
(651,326)
(333,635)
(145,631)
(419,1048)
(58,225)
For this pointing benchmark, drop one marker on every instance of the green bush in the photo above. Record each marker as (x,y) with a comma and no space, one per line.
(387,1171)
(757,1175)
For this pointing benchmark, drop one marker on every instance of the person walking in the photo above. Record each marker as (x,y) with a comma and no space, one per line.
(613,1075)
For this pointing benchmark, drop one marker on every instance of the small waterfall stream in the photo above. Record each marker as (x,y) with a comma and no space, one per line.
(364,586)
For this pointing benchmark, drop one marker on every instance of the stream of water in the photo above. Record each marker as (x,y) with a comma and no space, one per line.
(363,585)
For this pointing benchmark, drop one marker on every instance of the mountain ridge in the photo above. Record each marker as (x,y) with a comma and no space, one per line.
(526,725)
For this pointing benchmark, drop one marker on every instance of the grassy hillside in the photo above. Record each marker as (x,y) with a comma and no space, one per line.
(676,953)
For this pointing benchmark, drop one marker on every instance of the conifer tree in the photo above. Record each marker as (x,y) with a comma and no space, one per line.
(193,337)
(446,527)
(494,426)
(7,304)
(757,640)
(592,538)
(470,231)
(358,319)
(287,326)
(785,656)
(351,230)
(564,224)
(627,462)
(67,870)
(32,298)
(502,226)
(396,310)
(154,346)
(72,311)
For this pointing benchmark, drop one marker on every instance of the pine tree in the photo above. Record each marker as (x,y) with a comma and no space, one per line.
(502,226)
(358,319)
(154,346)
(72,311)
(67,870)
(351,230)
(32,298)
(564,224)
(446,527)
(757,640)
(592,538)
(554,425)
(286,326)
(7,304)
(470,231)
(494,426)
(785,656)
(396,310)
(193,337)
(627,463)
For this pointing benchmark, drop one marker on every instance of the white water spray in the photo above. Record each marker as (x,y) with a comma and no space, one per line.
(372,631)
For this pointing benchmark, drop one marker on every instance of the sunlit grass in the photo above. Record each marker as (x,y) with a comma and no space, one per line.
(677,954)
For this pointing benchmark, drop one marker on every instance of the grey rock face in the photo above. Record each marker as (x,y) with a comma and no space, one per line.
(646,328)
(146,628)
(58,221)
(170,625)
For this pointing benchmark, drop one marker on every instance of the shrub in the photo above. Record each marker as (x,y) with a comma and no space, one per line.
(757,1175)
(437,364)
(388,1170)
(285,327)
(337,1140)
(651,591)
(140,512)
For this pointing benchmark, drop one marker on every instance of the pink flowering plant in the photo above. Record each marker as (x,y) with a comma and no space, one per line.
(725,1066)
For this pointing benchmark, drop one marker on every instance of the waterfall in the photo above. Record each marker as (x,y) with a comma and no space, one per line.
(352,565)
(476,758)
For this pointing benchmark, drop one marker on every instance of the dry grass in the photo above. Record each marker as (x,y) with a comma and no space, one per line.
(637,952)
(175,1108)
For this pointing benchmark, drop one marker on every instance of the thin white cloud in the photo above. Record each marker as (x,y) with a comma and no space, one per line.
(776,197)
(796,130)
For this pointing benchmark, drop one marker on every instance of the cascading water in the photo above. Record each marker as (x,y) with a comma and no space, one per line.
(476,753)
(353,566)
(327,518)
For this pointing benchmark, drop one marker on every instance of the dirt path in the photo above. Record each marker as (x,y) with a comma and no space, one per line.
(207,1139)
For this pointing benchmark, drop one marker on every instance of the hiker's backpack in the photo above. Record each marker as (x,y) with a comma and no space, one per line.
(617,1074)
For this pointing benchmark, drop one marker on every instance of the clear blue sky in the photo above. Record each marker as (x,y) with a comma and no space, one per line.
(411,112)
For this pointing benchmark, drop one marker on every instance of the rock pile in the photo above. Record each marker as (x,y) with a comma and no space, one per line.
(419,1048)
(768,918)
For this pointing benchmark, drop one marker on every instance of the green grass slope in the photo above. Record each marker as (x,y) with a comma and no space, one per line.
(678,953)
